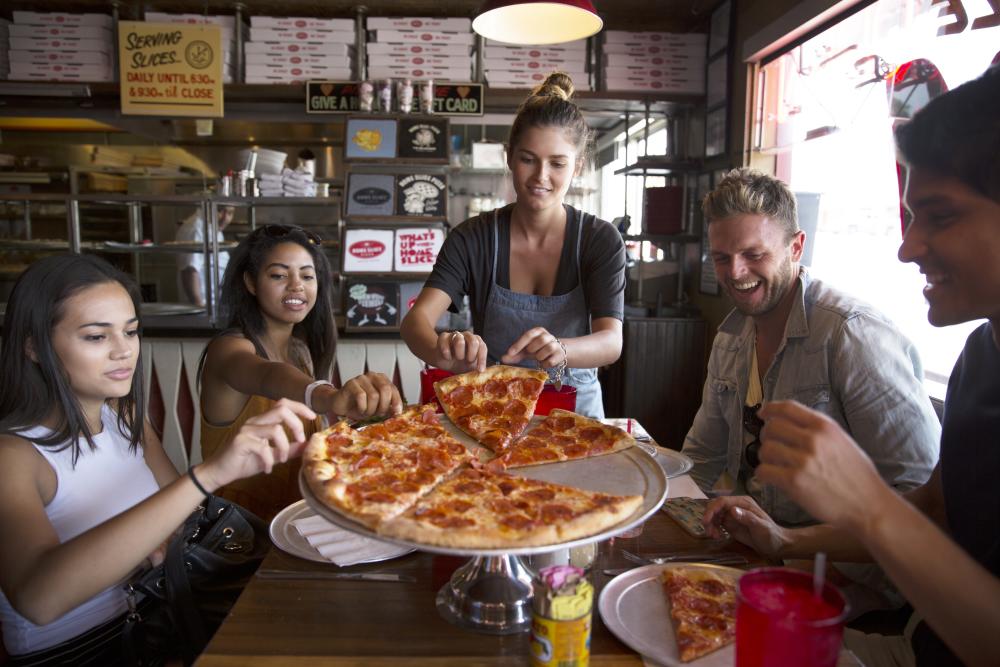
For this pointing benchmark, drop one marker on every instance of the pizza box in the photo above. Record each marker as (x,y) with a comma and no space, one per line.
(374,48)
(695,61)
(576,46)
(698,39)
(576,67)
(298,59)
(217,19)
(650,49)
(368,250)
(533,53)
(51,31)
(417,249)
(297,73)
(54,68)
(415,37)
(418,60)
(653,72)
(663,86)
(300,35)
(520,85)
(440,73)
(310,48)
(60,18)
(516,76)
(71,57)
(302,22)
(60,44)
(450,24)
(102,77)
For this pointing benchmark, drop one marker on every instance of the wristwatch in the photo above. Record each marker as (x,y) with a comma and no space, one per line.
(309,392)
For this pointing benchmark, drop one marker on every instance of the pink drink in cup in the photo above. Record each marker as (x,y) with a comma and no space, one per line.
(780,622)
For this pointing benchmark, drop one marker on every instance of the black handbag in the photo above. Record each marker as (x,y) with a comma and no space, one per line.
(186,598)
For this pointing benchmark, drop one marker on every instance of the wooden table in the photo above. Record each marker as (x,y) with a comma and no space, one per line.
(377,624)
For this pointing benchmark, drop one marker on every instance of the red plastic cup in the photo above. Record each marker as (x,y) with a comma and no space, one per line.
(550,398)
(781,623)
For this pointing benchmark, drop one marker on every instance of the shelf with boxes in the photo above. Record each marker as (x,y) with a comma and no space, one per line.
(395,214)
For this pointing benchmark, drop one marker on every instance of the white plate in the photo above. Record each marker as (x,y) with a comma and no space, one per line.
(674,463)
(634,608)
(288,539)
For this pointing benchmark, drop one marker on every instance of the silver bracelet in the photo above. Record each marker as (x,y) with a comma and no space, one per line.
(309,392)
(561,368)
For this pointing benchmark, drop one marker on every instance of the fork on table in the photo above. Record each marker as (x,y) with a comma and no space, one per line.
(718,558)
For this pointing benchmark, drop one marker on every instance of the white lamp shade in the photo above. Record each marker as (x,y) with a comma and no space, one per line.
(537,22)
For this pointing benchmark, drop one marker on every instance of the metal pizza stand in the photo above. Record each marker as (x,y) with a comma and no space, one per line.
(492,592)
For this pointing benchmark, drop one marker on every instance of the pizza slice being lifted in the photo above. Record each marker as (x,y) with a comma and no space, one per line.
(371,480)
(562,436)
(493,406)
(417,422)
(479,509)
(702,607)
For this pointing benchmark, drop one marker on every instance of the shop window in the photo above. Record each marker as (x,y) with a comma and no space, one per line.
(824,116)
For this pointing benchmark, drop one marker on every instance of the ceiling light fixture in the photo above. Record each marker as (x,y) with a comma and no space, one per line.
(537,21)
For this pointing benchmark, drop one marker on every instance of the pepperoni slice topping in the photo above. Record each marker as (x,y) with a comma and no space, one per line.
(576,450)
(470,487)
(528,387)
(378,497)
(540,494)
(600,446)
(460,396)
(554,512)
(459,506)
(515,409)
(591,433)
(452,522)
(516,521)
(495,388)
(507,488)
(711,587)
(492,408)
(561,423)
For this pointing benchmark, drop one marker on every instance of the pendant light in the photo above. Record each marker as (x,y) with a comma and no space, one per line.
(537,21)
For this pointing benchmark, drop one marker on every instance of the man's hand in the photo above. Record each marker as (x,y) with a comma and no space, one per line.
(808,456)
(743,518)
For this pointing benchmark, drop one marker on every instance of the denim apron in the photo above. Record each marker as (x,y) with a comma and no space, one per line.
(509,314)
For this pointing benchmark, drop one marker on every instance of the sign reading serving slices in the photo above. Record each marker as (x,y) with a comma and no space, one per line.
(421,195)
(170,69)
(368,250)
(424,138)
(371,194)
(417,249)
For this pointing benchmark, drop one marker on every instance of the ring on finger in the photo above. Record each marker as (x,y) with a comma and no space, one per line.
(456,333)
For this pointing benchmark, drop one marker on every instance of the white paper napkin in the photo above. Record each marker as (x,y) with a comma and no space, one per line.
(342,546)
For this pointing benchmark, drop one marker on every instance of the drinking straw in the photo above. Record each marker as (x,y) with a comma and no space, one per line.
(819,571)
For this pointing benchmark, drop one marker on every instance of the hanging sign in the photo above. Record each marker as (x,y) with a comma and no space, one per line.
(450,99)
(170,69)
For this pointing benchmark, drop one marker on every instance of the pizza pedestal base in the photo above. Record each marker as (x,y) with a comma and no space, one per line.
(490,594)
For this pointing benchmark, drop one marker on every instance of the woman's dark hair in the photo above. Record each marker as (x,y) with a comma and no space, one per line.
(30,389)
(550,105)
(318,330)
(957,135)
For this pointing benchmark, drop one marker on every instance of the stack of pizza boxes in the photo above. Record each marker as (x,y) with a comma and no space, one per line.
(287,49)
(55,46)
(227,26)
(514,66)
(654,61)
(420,48)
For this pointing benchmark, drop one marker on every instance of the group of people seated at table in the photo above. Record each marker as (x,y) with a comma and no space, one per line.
(814,431)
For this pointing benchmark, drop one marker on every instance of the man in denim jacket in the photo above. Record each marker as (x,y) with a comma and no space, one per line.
(793,337)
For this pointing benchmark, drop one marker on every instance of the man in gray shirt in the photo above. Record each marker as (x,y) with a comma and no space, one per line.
(794,337)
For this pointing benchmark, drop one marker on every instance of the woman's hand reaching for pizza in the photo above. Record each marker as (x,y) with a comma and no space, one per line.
(271,437)
(461,351)
(537,344)
(746,522)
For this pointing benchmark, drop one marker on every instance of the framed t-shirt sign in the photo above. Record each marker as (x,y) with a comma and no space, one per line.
(371,305)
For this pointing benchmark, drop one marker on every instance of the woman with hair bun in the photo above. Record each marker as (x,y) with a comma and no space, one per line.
(545,281)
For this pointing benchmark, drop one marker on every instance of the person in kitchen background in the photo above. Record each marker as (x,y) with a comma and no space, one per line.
(545,281)
(87,493)
(191,266)
(279,342)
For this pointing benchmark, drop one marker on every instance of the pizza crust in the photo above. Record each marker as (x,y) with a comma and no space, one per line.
(702,609)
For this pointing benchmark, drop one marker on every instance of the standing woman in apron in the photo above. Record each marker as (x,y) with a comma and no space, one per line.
(545,281)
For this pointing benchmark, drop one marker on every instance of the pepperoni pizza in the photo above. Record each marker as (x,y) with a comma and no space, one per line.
(493,406)
(562,436)
(703,608)
(371,480)
(483,509)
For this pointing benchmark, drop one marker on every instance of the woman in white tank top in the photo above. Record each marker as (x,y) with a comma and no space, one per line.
(86,490)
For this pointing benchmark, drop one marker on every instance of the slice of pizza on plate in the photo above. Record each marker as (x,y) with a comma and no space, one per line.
(480,509)
(702,608)
(562,436)
(371,480)
(493,406)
